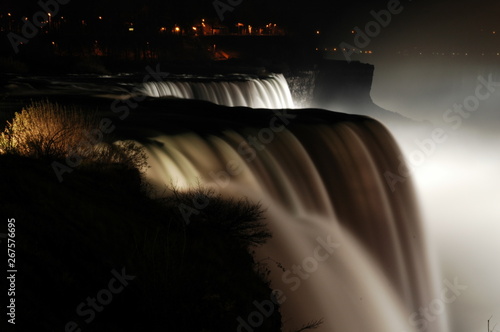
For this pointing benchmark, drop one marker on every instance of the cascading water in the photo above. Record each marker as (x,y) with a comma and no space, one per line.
(270,92)
(345,248)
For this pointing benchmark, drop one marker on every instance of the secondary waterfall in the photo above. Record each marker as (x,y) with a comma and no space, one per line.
(345,248)
(269,92)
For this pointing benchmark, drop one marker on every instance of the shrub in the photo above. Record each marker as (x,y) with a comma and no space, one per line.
(45,130)
(204,210)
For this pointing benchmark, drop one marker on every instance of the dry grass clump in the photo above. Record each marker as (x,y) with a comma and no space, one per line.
(49,131)
(44,129)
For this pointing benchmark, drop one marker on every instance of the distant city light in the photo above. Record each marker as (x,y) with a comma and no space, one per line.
(131,29)
(317,32)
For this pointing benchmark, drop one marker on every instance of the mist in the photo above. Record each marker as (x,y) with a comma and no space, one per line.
(456,176)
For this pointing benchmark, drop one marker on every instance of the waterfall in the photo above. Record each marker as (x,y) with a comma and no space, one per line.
(269,92)
(345,248)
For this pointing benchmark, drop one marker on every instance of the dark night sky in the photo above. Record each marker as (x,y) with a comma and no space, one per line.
(309,12)
(425,23)
(289,13)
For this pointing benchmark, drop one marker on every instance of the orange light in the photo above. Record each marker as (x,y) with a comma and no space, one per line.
(100,17)
(177,29)
(194,28)
(317,32)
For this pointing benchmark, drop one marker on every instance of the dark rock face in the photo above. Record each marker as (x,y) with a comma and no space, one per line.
(341,84)
(345,87)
